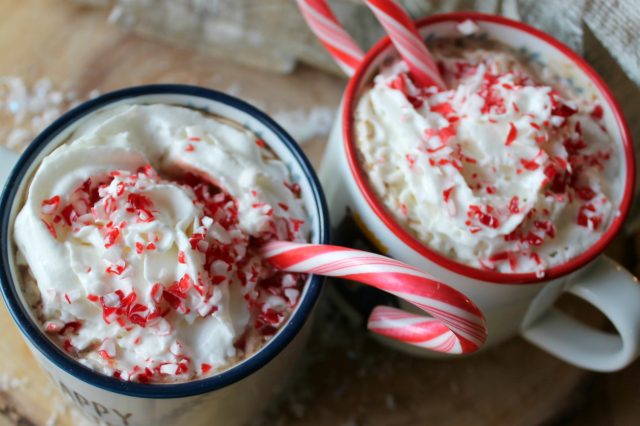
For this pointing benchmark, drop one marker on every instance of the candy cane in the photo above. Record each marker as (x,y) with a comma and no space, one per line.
(456,326)
(405,37)
(333,36)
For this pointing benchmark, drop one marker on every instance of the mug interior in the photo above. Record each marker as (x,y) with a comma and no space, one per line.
(536,46)
(192,97)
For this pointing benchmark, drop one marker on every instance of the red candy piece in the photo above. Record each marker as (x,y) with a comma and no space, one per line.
(512,135)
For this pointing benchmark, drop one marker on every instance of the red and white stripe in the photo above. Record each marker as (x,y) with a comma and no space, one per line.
(405,37)
(427,333)
(456,325)
(331,34)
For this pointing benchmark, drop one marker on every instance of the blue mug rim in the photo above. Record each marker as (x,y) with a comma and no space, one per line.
(53,353)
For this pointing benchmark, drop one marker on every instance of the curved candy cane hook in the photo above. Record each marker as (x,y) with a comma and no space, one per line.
(456,325)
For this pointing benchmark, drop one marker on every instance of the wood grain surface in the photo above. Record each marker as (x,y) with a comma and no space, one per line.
(346,378)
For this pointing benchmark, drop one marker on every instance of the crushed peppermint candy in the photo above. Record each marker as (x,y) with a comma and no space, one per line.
(501,171)
(11,383)
(166,281)
(467,27)
(26,108)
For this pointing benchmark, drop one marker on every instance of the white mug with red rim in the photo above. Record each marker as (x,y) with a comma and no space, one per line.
(512,303)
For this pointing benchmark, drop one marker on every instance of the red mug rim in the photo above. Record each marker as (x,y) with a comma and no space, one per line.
(409,239)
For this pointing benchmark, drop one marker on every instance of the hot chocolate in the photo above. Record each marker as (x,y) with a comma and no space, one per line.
(139,242)
(509,169)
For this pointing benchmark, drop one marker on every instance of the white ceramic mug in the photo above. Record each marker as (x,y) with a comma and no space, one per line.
(232,397)
(512,303)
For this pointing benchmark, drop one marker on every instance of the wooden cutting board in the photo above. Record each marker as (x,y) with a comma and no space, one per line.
(345,378)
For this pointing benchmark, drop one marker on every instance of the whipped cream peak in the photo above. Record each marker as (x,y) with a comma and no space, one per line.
(499,171)
(146,252)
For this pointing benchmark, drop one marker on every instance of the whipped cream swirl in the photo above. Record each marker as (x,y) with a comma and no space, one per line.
(500,171)
(142,233)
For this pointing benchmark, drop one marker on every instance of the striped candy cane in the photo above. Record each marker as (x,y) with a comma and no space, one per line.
(405,37)
(333,36)
(456,326)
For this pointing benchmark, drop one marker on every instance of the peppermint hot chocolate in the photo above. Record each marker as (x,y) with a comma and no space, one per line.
(510,169)
(139,243)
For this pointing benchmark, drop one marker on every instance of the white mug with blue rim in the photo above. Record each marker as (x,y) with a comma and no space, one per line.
(232,397)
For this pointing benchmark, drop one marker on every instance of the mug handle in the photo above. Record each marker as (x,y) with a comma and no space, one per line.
(8,159)
(616,293)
